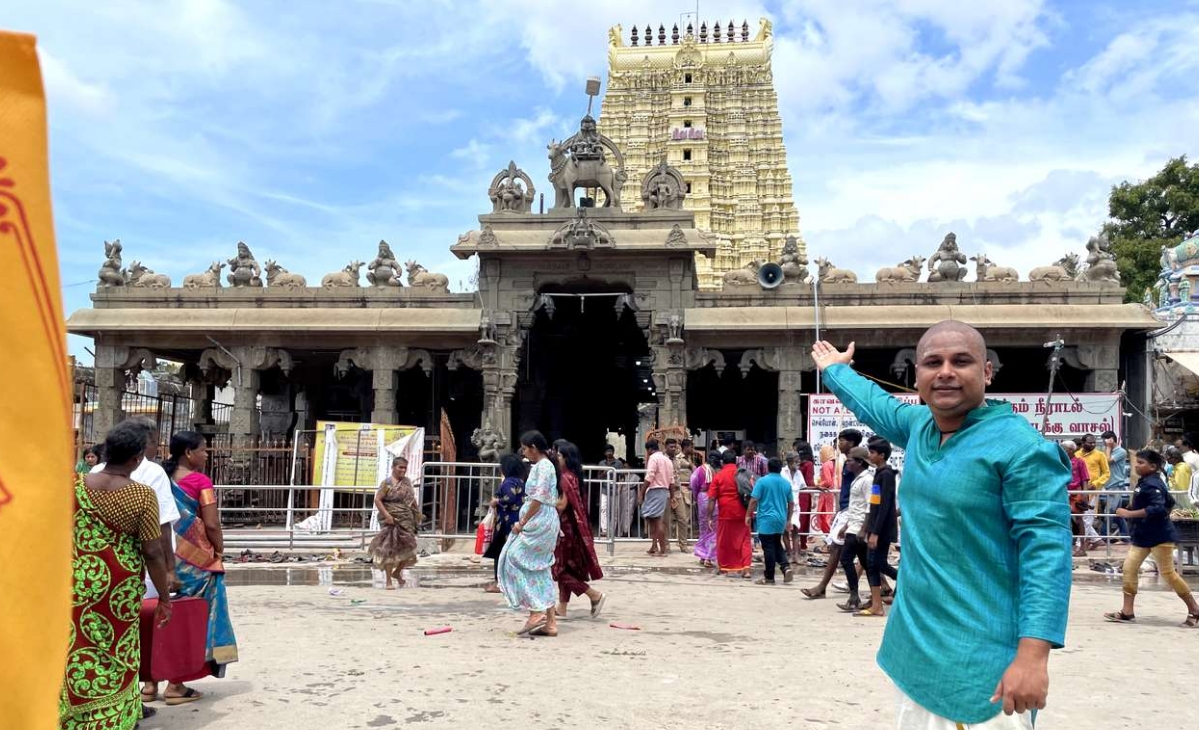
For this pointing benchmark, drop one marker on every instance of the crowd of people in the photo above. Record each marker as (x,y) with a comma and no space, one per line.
(145,536)
(150,531)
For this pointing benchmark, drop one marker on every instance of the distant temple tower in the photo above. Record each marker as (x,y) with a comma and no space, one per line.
(706,104)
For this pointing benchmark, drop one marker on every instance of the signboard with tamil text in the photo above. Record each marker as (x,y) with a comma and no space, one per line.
(1069,415)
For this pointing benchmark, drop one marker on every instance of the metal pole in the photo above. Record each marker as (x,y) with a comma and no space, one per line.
(291,492)
(1054,363)
(816,315)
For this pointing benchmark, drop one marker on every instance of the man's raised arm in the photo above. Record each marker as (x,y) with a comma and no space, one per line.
(888,416)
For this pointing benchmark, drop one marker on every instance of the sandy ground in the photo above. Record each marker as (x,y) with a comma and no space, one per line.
(712,652)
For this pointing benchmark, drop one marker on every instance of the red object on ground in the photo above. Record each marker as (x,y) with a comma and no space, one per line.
(175,652)
(626,627)
(442,630)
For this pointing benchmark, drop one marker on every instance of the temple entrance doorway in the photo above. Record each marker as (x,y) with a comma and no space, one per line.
(742,406)
(585,370)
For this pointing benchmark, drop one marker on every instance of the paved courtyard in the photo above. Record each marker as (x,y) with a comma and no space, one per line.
(711,652)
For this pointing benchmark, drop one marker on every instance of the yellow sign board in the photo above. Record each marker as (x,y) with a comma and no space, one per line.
(356,452)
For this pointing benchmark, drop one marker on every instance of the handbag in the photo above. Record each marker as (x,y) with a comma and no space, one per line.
(485,532)
(175,652)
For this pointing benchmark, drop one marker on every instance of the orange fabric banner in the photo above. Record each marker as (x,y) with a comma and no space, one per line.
(35,409)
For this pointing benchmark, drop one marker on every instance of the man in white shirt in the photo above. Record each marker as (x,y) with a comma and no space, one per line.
(858,464)
(148,472)
(795,531)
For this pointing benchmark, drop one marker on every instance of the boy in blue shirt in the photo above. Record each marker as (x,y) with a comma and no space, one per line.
(771,504)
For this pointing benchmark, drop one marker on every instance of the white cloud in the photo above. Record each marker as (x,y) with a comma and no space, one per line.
(1024,177)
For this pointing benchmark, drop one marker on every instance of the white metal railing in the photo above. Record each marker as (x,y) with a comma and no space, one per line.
(454,498)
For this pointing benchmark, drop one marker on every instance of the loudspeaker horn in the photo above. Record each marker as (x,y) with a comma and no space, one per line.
(770,275)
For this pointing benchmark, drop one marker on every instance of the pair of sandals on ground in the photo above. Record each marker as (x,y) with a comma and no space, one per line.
(174,694)
(1119,617)
(540,626)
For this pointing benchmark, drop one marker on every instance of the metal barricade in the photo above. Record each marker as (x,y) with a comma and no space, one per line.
(454,496)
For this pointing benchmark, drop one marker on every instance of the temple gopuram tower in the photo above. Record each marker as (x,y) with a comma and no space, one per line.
(705,103)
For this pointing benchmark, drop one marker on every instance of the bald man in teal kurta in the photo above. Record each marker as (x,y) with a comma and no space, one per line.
(985,586)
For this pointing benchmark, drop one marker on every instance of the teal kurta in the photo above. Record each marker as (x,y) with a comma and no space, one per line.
(986,547)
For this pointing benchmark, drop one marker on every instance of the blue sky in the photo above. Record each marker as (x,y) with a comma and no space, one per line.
(311,130)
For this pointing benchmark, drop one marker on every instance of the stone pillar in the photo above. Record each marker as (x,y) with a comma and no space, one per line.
(243,420)
(114,363)
(669,367)
(792,362)
(244,364)
(385,361)
(499,359)
(110,385)
(202,394)
(1103,362)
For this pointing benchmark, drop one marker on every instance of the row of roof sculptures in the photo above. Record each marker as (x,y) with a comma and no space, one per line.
(635,36)
(244,271)
(947,264)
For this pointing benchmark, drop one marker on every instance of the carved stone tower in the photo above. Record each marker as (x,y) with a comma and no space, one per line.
(704,101)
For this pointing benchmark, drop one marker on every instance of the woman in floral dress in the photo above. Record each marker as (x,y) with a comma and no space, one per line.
(394,548)
(526,563)
(116,539)
(509,498)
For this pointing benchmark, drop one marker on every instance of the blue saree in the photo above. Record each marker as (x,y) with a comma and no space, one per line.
(200,572)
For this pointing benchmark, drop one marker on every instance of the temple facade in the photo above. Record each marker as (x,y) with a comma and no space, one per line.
(589,321)
(703,101)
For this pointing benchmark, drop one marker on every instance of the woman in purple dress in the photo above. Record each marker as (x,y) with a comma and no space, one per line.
(701,478)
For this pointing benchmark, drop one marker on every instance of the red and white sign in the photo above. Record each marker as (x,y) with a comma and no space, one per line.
(1069,415)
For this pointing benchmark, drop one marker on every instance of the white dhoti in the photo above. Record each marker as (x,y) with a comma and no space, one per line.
(912,716)
(618,509)
(839,521)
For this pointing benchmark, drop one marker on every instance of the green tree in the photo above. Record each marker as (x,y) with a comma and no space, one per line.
(1148,215)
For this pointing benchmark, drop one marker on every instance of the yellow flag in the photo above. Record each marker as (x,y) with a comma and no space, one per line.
(35,409)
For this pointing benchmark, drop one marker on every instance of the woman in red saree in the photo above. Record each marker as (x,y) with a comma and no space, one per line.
(734,549)
(116,539)
(575,561)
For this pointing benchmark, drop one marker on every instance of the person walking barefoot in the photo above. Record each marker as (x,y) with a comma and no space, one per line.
(394,548)
(1152,534)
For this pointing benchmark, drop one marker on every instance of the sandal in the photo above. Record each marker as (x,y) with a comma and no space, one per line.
(190,695)
(597,607)
(543,631)
(763,582)
(850,607)
(530,628)
(869,613)
(148,696)
(1192,621)
(809,593)
(1119,617)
